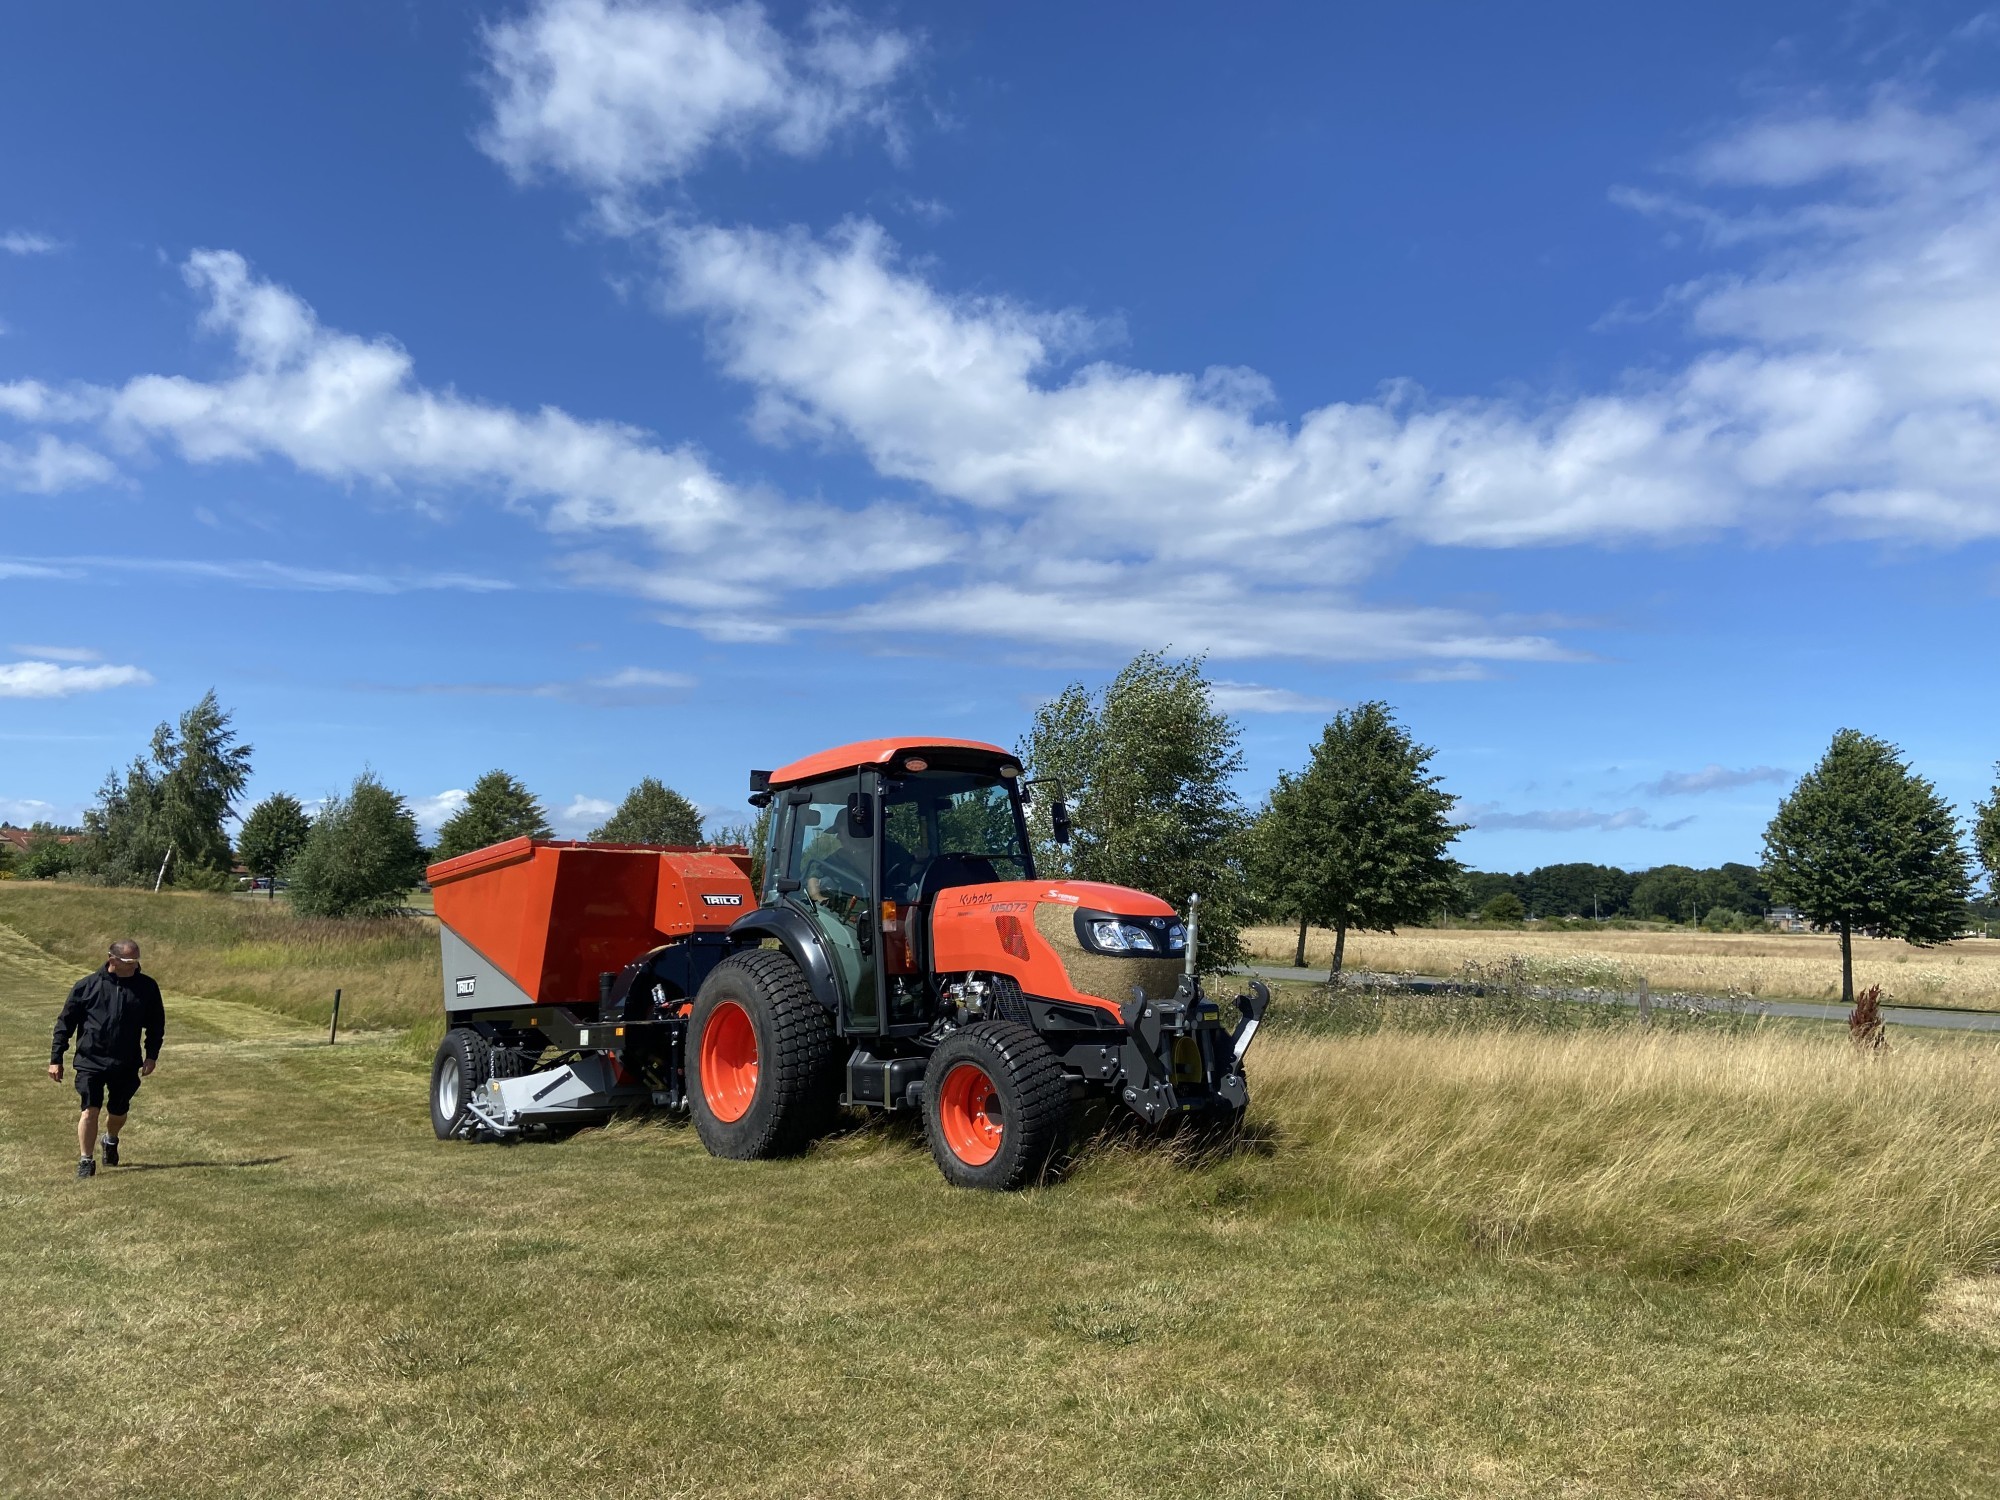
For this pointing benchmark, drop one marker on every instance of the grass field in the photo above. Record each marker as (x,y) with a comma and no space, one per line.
(1773,966)
(242,948)
(1510,1265)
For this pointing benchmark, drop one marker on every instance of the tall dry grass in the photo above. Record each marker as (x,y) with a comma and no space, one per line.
(1850,1173)
(230,948)
(1778,966)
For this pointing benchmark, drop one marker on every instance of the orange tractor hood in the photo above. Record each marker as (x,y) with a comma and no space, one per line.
(1027,929)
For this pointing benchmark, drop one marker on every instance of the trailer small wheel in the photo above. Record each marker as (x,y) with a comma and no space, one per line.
(760,1053)
(996,1106)
(463,1062)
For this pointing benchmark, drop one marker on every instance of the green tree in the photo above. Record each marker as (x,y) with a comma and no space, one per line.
(361,857)
(1060,749)
(174,800)
(1866,845)
(755,836)
(1504,907)
(1675,892)
(1362,834)
(1146,766)
(273,833)
(652,813)
(126,842)
(47,857)
(497,808)
(1986,836)
(203,771)
(1477,887)
(1577,890)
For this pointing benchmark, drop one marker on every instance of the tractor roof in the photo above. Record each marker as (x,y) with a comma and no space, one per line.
(874,753)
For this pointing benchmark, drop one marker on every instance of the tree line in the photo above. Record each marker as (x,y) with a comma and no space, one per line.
(163,820)
(1723,898)
(1357,838)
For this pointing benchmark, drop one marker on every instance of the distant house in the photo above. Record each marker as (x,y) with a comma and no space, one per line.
(17,838)
(1787,919)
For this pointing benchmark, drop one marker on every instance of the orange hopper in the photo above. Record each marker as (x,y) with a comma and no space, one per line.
(551,916)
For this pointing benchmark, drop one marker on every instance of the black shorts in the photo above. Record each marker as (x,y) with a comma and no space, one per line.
(116,1088)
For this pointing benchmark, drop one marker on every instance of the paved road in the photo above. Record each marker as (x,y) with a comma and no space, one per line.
(1899,1015)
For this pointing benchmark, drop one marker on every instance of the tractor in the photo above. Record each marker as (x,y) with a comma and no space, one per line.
(901,955)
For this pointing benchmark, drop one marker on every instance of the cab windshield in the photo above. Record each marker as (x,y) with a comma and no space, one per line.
(956,827)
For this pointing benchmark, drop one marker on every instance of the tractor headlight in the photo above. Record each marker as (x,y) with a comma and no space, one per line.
(1101,932)
(1114,936)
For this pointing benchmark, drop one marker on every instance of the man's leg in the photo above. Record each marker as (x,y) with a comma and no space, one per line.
(111,1127)
(86,1132)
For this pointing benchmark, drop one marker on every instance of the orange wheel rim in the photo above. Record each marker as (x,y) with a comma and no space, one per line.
(729,1061)
(969,1111)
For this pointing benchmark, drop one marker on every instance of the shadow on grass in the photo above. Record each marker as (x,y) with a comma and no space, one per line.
(177,1166)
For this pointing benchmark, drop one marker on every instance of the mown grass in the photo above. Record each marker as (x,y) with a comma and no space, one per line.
(1775,966)
(1473,1262)
(234,948)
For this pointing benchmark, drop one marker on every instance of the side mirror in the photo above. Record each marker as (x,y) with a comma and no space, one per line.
(860,815)
(1059,820)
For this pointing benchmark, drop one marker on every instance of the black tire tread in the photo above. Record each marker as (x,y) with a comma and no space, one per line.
(801,1060)
(474,1056)
(1038,1132)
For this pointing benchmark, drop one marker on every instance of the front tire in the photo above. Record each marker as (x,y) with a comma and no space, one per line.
(760,1056)
(996,1106)
(463,1063)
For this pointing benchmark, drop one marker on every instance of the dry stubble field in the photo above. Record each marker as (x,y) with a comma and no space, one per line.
(1773,966)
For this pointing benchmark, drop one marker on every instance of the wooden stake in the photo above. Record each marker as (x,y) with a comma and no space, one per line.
(334,1030)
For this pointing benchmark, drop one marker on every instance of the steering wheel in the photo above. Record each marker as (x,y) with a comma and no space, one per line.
(952,869)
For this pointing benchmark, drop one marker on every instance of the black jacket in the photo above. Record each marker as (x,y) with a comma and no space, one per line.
(107,1014)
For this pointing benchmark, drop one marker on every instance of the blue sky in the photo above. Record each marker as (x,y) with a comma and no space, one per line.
(607,389)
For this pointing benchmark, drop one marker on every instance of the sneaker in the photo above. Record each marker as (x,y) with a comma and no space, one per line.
(86,1168)
(110,1152)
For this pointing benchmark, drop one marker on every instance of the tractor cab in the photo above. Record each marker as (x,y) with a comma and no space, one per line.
(863,840)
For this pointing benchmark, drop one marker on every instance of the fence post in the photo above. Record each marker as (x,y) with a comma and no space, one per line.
(1645,1004)
(334,1030)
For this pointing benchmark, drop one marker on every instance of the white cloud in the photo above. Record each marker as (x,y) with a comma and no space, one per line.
(27,242)
(349,409)
(434,811)
(1567,819)
(1712,778)
(48,679)
(626,94)
(52,465)
(25,812)
(1464,671)
(1255,698)
(256,573)
(583,814)
(1847,385)
(1851,386)
(58,653)
(632,687)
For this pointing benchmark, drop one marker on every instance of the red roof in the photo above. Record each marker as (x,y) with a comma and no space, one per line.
(871,753)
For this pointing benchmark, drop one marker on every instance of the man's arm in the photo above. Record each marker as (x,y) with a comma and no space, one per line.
(67,1020)
(156,1030)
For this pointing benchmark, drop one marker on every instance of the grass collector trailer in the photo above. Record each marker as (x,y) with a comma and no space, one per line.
(902,954)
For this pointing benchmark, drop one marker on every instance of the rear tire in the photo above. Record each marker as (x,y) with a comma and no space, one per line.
(759,1059)
(463,1062)
(996,1106)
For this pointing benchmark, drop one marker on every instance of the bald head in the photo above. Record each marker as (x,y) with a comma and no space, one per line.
(124,956)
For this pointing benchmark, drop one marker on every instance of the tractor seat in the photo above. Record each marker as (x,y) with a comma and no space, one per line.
(948,870)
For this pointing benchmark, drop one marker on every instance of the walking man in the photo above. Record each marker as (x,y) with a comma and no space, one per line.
(107,1011)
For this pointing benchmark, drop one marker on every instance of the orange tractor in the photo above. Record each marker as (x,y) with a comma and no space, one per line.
(902,955)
